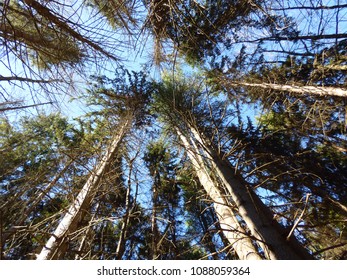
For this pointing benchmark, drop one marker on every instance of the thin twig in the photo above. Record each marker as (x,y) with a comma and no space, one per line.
(301,215)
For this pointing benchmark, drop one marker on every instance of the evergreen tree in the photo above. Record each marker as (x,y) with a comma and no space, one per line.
(176,168)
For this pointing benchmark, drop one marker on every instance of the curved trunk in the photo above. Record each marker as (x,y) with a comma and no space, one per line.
(57,244)
(271,236)
(231,228)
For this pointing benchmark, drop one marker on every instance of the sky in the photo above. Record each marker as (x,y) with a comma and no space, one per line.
(313,21)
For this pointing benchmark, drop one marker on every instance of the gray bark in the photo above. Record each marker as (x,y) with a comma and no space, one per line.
(122,238)
(270,234)
(57,243)
(232,230)
(314,90)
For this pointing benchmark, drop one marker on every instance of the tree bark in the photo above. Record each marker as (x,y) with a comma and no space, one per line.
(57,243)
(231,228)
(154,226)
(128,209)
(321,7)
(314,90)
(271,236)
(86,236)
(207,235)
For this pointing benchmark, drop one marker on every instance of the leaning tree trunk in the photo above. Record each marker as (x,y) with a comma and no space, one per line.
(297,89)
(271,236)
(231,228)
(57,244)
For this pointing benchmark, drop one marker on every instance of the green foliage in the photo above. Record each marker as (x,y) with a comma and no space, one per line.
(165,200)
(47,45)
(209,24)
(129,93)
(290,164)
(33,152)
(297,146)
(36,144)
(118,13)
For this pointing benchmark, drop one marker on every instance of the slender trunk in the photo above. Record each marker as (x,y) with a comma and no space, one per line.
(129,207)
(57,243)
(314,90)
(298,37)
(122,238)
(154,226)
(207,235)
(173,231)
(231,228)
(270,234)
(87,235)
(334,67)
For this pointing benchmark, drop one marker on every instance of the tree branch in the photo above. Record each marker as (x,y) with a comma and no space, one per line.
(23,107)
(24,79)
(45,12)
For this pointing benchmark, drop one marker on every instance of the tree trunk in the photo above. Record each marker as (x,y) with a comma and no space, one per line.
(154,226)
(128,207)
(207,235)
(314,90)
(231,228)
(57,243)
(271,236)
(87,236)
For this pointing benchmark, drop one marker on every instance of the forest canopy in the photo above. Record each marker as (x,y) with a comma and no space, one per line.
(167,130)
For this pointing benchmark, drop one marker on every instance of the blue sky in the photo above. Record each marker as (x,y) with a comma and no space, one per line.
(309,21)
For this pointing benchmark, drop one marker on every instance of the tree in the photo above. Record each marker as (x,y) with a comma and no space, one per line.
(246,162)
(52,46)
(232,230)
(183,100)
(201,220)
(54,247)
(128,107)
(196,30)
(295,89)
(168,236)
(37,154)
